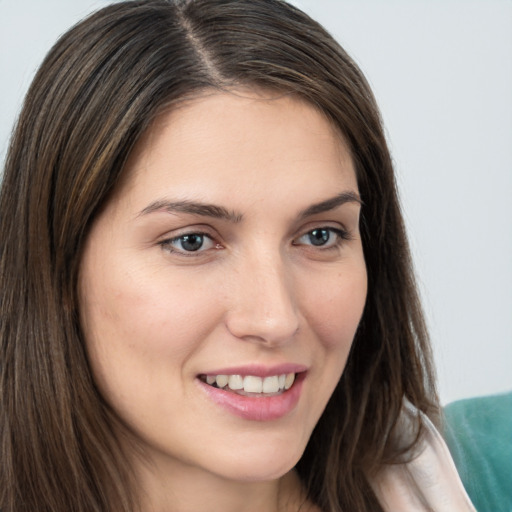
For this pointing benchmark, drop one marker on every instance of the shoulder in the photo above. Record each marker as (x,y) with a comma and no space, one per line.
(428,480)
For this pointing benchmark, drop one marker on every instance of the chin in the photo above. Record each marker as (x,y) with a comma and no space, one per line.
(263,462)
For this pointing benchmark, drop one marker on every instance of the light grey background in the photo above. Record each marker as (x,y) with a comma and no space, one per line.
(442,74)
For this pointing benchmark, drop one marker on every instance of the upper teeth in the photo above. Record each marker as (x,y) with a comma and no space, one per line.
(253,384)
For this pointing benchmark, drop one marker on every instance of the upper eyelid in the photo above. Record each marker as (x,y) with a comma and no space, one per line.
(188,233)
(214,236)
(189,230)
(311,226)
(337,229)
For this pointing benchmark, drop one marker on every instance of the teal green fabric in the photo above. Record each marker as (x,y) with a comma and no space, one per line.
(478,432)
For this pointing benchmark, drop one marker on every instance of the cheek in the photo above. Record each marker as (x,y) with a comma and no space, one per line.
(145,309)
(335,310)
(140,329)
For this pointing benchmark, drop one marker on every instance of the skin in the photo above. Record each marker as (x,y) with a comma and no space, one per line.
(155,316)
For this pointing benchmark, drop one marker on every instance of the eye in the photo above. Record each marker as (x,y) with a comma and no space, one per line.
(324,237)
(188,243)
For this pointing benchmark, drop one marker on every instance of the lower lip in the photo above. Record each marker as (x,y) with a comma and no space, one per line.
(264,408)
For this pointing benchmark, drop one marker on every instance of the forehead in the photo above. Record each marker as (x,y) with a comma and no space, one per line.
(256,139)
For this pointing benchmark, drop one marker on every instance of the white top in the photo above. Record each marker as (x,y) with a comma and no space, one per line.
(428,483)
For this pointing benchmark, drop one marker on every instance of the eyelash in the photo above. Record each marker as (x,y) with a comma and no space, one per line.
(167,244)
(341,237)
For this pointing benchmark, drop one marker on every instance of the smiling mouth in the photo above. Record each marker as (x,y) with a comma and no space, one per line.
(251,385)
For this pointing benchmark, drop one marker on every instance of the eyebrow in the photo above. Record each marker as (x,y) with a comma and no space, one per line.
(194,208)
(219,212)
(331,204)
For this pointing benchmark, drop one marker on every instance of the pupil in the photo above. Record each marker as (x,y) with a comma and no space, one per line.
(319,236)
(192,242)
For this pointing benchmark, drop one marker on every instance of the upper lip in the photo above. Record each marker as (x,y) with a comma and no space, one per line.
(259,370)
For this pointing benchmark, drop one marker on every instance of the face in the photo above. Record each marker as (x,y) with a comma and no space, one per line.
(222,285)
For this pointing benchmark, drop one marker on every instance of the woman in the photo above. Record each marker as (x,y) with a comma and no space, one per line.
(207,296)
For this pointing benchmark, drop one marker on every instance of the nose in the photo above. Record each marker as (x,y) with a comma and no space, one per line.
(263,307)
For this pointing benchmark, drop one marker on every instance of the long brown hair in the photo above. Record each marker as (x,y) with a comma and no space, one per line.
(97,91)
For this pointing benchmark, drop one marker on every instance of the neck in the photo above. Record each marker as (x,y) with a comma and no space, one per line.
(188,489)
